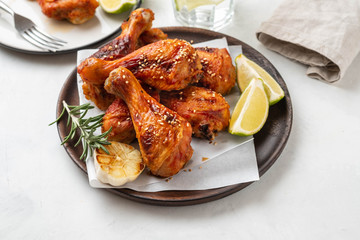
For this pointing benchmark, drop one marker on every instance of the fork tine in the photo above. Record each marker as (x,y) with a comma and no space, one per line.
(36,43)
(48,36)
(41,41)
(44,38)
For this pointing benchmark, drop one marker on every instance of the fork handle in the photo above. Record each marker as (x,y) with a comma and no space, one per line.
(6,12)
(6,8)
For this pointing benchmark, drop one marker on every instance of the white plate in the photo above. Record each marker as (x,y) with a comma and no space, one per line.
(101,26)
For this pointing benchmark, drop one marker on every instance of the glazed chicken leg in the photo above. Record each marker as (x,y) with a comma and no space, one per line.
(207,111)
(218,71)
(164,136)
(140,20)
(117,117)
(166,65)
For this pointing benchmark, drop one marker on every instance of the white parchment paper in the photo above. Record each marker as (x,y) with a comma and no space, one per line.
(229,159)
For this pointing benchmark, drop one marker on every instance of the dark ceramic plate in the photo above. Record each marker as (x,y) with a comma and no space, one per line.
(269,142)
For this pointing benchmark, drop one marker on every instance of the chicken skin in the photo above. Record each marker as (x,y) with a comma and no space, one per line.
(97,94)
(140,21)
(219,73)
(75,11)
(117,117)
(164,136)
(207,111)
(169,64)
(150,36)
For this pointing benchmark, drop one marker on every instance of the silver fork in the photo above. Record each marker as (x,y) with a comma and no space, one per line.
(30,32)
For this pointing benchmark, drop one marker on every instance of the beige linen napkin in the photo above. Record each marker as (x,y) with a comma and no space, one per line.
(323,34)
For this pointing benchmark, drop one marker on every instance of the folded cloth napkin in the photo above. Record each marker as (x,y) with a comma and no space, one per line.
(323,34)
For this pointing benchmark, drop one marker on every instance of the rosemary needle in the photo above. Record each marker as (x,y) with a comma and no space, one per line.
(87,127)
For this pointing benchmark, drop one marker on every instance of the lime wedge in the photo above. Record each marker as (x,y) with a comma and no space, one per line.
(251,110)
(116,6)
(192,4)
(247,70)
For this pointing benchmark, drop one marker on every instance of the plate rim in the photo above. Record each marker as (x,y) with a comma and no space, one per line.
(147,197)
(71,50)
(93,44)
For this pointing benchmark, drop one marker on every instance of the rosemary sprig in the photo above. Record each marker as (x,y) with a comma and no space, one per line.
(87,127)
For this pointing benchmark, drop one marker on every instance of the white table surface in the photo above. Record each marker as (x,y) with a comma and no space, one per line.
(311,192)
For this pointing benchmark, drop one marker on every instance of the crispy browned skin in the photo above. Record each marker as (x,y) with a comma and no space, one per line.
(169,64)
(75,11)
(150,36)
(117,117)
(218,71)
(164,136)
(97,94)
(140,21)
(207,111)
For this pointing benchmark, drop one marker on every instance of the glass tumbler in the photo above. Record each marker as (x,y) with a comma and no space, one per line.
(210,14)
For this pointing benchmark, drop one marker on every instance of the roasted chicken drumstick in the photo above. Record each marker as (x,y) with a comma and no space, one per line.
(140,20)
(207,111)
(117,117)
(218,71)
(164,136)
(169,64)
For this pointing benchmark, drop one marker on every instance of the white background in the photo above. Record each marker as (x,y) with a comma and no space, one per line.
(312,191)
